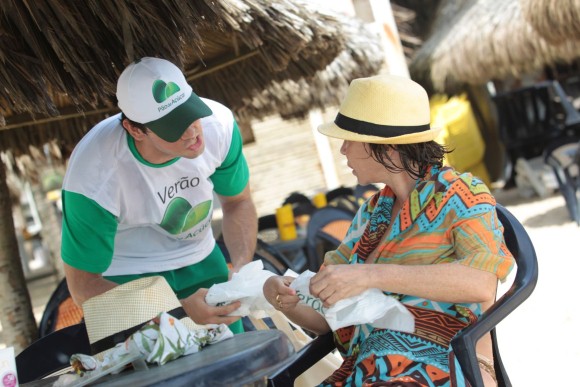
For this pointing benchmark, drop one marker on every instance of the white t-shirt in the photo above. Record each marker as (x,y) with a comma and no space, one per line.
(158,215)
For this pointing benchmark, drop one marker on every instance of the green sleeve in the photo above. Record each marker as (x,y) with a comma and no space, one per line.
(88,233)
(232,176)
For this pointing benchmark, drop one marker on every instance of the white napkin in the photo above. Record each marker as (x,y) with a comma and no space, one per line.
(245,286)
(370,307)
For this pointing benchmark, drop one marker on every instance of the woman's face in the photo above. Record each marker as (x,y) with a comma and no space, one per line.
(366,169)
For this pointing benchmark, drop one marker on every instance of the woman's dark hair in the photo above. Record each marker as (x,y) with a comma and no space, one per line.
(415,158)
(141,127)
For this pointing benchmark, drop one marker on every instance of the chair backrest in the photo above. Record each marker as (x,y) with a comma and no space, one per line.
(301,204)
(530,117)
(363,192)
(521,247)
(51,353)
(272,259)
(326,229)
(60,311)
(342,197)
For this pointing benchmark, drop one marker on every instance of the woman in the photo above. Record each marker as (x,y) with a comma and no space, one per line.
(430,238)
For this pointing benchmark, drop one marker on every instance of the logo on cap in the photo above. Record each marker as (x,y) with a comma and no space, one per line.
(162,91)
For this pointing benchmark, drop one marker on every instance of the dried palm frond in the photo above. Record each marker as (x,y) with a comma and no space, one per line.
(61,58)
(556,21)
(487,39)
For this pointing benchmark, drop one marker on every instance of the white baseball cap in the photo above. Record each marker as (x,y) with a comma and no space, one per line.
(154,92)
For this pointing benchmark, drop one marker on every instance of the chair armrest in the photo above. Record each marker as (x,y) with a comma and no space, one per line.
(465,342)
(305,358)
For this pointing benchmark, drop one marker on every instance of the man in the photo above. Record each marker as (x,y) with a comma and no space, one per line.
(139,201)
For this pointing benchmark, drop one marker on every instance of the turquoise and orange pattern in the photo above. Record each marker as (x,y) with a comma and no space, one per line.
(448,218)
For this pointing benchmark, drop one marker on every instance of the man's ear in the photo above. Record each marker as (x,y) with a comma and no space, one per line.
(134,131)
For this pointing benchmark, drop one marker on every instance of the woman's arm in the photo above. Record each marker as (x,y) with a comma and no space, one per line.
(278,293)
(446,282)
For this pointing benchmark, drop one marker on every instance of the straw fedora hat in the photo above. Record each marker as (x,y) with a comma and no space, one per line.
(115,315)
(384,109)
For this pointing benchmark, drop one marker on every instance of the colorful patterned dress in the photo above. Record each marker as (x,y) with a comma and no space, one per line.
(449,218)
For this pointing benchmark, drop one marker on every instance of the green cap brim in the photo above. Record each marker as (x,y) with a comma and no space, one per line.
(171,126)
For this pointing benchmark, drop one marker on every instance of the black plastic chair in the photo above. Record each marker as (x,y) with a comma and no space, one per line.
(342,197)
(318,242)
(272,259)
(301,204)
(51,353)
(362,192)
(563,156)
(520,245)
(60,311)
(531,117)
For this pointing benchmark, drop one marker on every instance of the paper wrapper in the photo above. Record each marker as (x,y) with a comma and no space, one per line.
(245,286)
(163,339)
(370,307)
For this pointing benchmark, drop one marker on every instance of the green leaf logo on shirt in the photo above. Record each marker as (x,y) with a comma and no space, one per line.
(162,90)
(180,216)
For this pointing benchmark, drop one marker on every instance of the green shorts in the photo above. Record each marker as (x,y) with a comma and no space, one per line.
(187,280)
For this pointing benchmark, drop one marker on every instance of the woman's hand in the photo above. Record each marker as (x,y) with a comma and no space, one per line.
(278,292)
(202,313)
(337,282)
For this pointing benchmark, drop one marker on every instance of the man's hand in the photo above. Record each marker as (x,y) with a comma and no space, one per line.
(202,313)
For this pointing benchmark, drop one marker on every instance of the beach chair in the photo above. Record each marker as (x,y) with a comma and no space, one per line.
(326,229)
(563,157)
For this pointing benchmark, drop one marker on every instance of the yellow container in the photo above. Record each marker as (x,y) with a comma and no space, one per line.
(460,134)
(319,200)
(285,222)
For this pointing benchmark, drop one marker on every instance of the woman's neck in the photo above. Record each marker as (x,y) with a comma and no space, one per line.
(402,184)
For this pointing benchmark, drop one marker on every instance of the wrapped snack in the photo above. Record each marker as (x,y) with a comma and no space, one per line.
(370,307)
(246,287)
(82,363)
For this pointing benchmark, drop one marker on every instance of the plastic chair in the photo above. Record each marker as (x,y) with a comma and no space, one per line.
(51,353)
(520,245)
(60,311)
(342,197)
(531,117)
(326,229)
(563,156)
(272,259)
(363,192)
(301,204)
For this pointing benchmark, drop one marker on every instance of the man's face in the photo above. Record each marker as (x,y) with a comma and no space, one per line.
(190,145)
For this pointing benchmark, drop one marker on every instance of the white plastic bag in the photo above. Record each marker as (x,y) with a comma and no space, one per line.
(245,286)
(370,307)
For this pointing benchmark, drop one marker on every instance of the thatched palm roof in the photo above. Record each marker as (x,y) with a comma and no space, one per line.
(474,41)
(363,56)
(555,21)
(61,58)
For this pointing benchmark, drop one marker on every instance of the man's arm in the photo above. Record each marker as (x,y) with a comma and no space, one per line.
(239,227)
(83,285)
